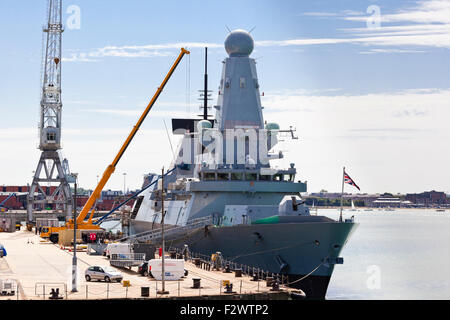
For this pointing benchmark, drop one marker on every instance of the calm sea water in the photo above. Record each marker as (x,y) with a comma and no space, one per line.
(401,254)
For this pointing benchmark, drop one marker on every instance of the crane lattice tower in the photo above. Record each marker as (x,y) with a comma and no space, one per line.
(49,169)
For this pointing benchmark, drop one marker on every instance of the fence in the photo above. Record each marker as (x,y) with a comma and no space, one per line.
(205,262)
(210,284)
(181,288)
(123,260)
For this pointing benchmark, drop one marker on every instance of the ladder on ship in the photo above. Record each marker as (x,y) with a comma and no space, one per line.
(155,235)
(136,207)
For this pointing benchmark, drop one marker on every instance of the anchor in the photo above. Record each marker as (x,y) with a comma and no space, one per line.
(284,267)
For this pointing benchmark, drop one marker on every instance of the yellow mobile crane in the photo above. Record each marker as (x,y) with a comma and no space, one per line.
(53,232)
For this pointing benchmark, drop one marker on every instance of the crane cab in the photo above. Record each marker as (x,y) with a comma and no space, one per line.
(50,138)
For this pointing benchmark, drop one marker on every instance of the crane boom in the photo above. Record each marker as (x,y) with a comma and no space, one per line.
(9,197)
(110,169)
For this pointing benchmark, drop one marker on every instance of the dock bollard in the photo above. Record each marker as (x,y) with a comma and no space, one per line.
(227,269)
(54,294)
(145,291)
(275,286)
(196,283)
(269,281)
(229,288)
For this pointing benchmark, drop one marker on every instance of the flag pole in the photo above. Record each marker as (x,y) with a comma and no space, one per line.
(342,193)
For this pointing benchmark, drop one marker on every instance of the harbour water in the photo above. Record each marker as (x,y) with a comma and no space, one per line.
(401,254)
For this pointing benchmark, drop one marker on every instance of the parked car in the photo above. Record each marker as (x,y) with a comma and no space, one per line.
(143,269)
(107,274)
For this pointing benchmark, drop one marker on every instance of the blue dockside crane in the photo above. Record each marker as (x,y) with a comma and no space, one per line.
(2,204)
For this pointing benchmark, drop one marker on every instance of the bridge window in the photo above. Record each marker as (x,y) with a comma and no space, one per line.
(209,176)
(51,136)
(222,176)
(250,176)
(278,177)
(236,176)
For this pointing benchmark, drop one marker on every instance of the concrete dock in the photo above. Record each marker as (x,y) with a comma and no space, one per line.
(38,266)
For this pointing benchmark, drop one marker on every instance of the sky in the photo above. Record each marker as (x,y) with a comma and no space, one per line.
(365,84)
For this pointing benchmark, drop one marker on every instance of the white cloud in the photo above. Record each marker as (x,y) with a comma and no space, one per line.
(373,51)
(386,139)
(432,11)
(80,57)
(136,112)
(427,25)
(138,51)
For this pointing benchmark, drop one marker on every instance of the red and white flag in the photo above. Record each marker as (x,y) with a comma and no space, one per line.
(350,181)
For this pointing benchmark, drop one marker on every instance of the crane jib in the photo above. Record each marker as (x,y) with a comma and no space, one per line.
(110,169)
(149,107)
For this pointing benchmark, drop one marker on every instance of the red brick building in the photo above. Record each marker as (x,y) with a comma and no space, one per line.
(109,200)
(429,198)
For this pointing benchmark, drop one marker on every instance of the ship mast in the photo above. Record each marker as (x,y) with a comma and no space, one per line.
(205,93)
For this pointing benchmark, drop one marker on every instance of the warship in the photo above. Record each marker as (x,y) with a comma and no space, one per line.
(221,193)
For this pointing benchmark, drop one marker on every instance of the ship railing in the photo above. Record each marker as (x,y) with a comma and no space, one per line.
(156,234)
(211,262)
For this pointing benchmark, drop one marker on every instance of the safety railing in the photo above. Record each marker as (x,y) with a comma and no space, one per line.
(154,235)
(123,260)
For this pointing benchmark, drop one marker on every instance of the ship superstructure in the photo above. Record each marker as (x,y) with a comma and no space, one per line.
(222,176)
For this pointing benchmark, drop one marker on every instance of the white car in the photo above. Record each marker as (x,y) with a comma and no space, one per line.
(107,274)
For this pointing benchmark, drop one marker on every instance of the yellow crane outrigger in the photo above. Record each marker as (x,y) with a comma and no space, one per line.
(53,232)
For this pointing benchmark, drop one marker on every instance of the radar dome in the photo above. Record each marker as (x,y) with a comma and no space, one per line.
(239,43)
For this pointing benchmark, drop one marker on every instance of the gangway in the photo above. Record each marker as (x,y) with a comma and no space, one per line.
(133,196)
(155,235)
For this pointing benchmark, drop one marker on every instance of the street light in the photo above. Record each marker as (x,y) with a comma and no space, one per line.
(74,260)
(124,174)
(163,290)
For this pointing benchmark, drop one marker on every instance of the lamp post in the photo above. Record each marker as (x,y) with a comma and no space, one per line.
(163,290)
(124,190)
(74,260)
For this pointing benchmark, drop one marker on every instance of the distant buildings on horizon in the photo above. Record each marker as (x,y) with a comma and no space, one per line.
(108,200)
(410,200)
(111,197)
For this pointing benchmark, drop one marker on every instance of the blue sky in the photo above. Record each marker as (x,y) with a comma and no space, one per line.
(372,98)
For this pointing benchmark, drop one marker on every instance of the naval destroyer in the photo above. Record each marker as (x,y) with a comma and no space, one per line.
(225,196)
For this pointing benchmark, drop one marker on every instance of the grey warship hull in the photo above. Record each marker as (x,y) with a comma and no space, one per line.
(303,252)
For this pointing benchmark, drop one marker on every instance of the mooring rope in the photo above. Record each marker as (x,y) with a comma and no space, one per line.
(304,277)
